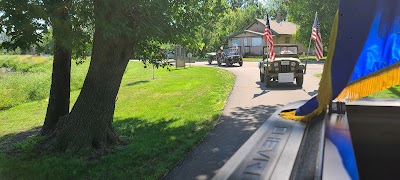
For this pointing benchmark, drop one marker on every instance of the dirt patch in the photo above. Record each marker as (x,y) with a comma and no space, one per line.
(5,70)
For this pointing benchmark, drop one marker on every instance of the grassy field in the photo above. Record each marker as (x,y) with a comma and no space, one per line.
(161,120)
(31,78)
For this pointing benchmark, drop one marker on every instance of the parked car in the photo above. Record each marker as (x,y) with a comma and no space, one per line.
(170,55)
(229,57)
(285,68)
(212,56)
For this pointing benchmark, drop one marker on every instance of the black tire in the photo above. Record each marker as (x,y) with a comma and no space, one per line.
(267,81)
(261,77)
(228,63)
(241,63)
(299,81)
(209,60)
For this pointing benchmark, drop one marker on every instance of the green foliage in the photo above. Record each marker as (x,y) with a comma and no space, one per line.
(155,56)
(30,79)
(46,46)
(160,120)
(229,21)
(22,21)
(25,24)
(302,12)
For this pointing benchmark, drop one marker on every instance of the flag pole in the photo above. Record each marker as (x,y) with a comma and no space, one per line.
(309,45)
(266,56)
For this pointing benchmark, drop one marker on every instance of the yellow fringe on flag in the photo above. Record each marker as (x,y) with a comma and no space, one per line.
(375,82)
(324,96)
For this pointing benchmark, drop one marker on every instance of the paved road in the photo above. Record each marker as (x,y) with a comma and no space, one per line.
(249,105)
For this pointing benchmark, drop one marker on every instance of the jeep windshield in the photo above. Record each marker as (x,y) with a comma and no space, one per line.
(231,51)
(282,50)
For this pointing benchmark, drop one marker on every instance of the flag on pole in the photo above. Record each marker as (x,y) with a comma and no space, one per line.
(316,36)
(268,36)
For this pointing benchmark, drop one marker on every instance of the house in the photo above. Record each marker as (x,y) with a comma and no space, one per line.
(251,40)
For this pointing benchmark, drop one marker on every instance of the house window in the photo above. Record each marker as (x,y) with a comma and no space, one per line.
(245,41)
(235,42)
(256,41)
(287,40)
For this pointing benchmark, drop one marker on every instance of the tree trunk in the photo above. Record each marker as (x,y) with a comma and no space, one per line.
(203,51)
(89,124)
(60,81)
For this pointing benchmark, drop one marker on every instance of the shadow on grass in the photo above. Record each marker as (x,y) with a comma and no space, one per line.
(395,91)
(153,147)
(7,141)
(136,83)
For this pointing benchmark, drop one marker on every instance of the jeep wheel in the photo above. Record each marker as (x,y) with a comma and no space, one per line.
(228,62)
(267,81)
(261,77)
(299,81)
(241,63)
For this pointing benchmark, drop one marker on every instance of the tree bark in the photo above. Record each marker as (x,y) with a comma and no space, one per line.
(89,124)
(60,81)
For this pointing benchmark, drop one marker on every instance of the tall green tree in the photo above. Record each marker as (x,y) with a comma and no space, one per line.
(233,21)
(302,12)
(26,21)
(121,27)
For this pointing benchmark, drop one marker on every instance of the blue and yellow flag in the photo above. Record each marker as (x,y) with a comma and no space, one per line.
(363,56)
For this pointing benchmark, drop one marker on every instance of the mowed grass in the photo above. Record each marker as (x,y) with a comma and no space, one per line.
(252,58)
(311,58)
(161,119)
(393,92)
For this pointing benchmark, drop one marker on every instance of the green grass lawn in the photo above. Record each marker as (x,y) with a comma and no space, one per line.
(311,58)
(393,92)
(161,119)
(252,58)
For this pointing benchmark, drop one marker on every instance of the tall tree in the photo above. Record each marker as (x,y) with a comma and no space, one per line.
(121,27)
(26,21)
(302,12)
(61,76)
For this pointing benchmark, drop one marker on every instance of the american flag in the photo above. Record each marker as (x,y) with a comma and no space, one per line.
(316,36)
(268,35)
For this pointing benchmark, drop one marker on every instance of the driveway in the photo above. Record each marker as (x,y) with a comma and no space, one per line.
(248,106)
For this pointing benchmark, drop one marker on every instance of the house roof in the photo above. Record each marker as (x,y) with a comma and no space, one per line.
(255,32)
(282,27)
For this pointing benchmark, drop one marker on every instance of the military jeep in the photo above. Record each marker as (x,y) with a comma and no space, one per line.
(285,68)
(229,57)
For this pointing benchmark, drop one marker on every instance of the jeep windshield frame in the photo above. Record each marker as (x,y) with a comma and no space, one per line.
(286,50)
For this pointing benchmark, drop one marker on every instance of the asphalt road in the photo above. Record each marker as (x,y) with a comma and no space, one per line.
(248,106)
